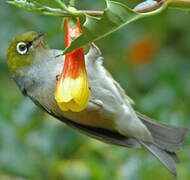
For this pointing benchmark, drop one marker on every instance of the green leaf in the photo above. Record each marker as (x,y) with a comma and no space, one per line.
(31,6)
(49,3)
(32,3)
(115,16)
(45,7)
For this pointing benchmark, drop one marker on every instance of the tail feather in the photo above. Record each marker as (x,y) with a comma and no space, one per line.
(175,157)
(168,160)
(167,140)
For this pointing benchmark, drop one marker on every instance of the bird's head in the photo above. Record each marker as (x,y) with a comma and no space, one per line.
(22,50)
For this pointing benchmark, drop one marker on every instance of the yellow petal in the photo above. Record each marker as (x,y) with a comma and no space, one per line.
(80,90)
(73,106)
(73,94)
(62,106)
(62,92)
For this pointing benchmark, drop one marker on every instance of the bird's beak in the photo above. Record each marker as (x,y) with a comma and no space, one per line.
(38,40)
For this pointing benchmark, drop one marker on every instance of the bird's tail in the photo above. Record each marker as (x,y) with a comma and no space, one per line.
(167,141)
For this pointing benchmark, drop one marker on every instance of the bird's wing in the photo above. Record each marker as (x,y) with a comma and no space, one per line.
(104,135)
(120,89)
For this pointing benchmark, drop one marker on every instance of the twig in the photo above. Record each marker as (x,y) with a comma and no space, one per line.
(100,13)
(44,10)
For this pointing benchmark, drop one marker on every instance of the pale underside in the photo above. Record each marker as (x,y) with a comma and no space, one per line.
(108,107)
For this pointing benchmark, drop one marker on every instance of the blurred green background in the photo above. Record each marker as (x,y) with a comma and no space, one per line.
(149,58)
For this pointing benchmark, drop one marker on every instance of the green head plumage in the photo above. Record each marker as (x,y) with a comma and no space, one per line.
(20,53)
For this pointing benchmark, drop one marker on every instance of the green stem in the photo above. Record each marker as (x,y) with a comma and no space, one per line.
(182,4)
(70,11)
(53,12)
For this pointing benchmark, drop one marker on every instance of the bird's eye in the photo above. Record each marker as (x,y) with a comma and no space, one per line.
(22,48)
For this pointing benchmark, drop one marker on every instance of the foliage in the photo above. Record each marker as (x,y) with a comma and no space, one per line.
(33,145)
(115,16)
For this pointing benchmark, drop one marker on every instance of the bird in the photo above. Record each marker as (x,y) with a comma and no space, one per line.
(109,115)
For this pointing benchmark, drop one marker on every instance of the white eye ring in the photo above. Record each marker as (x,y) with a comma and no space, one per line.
(22,48)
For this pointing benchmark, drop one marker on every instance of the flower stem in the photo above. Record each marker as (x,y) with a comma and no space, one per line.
(70,11)
(180,4)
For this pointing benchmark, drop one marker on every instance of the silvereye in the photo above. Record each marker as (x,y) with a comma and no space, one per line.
(109,115)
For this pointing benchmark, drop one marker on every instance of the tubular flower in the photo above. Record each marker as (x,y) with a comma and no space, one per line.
(72,89)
